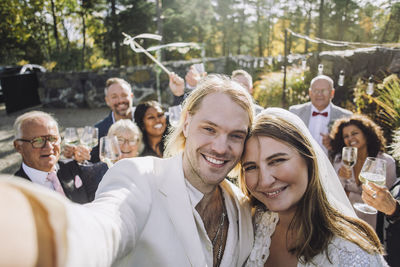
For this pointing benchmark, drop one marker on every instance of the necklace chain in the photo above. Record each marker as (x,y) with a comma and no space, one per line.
(220,233)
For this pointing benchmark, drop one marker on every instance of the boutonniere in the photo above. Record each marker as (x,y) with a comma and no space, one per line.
(78,181)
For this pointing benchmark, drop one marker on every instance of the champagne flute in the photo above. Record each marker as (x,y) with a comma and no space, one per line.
(174,113)
(349,156)
(373,171)
(109,150)
(89,138)
(71,136)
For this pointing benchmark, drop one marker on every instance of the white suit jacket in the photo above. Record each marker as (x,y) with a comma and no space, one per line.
(142,216)
(304,112)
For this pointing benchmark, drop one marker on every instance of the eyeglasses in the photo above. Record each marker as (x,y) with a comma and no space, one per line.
(40,142)
(321,91)
(131,142)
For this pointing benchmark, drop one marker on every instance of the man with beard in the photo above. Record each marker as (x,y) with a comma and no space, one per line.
(177,211)
(119,97)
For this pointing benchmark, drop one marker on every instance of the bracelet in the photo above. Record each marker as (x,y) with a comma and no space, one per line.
(396,214)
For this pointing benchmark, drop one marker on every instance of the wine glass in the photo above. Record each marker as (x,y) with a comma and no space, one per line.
(89,138)
(174,115)
(373,171)
(109,150)
(349,156)
(71,136)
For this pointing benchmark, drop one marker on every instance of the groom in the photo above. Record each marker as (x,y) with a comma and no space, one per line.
(179,211)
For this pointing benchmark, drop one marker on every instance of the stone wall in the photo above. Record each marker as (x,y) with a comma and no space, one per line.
(86,89)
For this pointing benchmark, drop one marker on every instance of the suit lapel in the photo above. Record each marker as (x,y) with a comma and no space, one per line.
(21,173)
(180,210)
(306,114)
(66,174)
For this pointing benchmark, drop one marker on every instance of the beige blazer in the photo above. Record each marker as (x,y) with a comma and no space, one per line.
(142,217)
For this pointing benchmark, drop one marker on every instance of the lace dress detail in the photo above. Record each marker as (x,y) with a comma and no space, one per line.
(341,252)
(265,223)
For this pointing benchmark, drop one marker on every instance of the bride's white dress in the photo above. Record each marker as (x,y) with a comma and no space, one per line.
(341,252)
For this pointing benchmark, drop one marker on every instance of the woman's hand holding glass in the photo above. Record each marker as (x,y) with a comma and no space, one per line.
(372,172)
(379,197)
(349,158)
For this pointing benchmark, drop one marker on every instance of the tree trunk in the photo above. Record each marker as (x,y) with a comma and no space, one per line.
(259,31)
(84,39)
(321,24)
(160,25)
(307,28)
(53,13)
(115,31)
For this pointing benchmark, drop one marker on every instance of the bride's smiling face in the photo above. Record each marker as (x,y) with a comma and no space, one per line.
(275,173)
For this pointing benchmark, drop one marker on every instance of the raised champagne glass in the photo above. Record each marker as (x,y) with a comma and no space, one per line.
(349,156)
(373,171)
(109,150)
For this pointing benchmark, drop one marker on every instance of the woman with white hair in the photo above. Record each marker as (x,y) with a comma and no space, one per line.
(129,137)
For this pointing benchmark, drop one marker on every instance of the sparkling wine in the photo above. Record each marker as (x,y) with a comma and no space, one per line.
(349,163)
(72,142)
(367,177)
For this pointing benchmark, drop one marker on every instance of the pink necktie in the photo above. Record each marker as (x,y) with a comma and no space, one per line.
(52,177)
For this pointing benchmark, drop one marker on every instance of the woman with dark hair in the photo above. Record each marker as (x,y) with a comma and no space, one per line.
(152,121)
(301,213)
(361,132)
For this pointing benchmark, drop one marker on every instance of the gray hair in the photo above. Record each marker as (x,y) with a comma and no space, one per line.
(243,73)
(29,116)
(126,126)
(121,82)
(322,77)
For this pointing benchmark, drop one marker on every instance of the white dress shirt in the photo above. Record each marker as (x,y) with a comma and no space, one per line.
(319,124)
(37,177)
(231,247)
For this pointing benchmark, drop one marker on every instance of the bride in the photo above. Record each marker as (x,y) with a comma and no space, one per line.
(302,216)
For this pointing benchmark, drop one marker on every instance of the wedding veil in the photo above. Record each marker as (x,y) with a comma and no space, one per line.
(326,173)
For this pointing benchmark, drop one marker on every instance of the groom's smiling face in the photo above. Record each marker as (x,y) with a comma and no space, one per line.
(215,137)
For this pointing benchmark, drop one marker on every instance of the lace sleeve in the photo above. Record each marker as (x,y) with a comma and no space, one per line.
(347,254)
(265,223)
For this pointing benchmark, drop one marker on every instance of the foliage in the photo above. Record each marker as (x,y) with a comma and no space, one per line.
(383,106)
(268,89)
(86,34)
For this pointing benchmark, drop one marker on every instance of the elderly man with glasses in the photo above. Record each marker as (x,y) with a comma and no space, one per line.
(38,141)
(320,113)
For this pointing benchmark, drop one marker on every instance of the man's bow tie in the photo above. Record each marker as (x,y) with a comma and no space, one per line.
(325,114)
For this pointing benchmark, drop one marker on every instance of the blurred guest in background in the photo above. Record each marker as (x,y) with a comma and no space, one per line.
(245,79)
(37,139)
(119,97)
(320,113)
(152,121)
(129,137)
(361,132)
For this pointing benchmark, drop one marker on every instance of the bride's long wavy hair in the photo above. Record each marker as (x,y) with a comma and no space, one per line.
(315,222)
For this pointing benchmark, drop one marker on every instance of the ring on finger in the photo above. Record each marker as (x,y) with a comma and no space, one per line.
(374,195)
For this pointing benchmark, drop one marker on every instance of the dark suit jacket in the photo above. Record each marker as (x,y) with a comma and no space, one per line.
(392,232)
(103,127)
(66,174)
